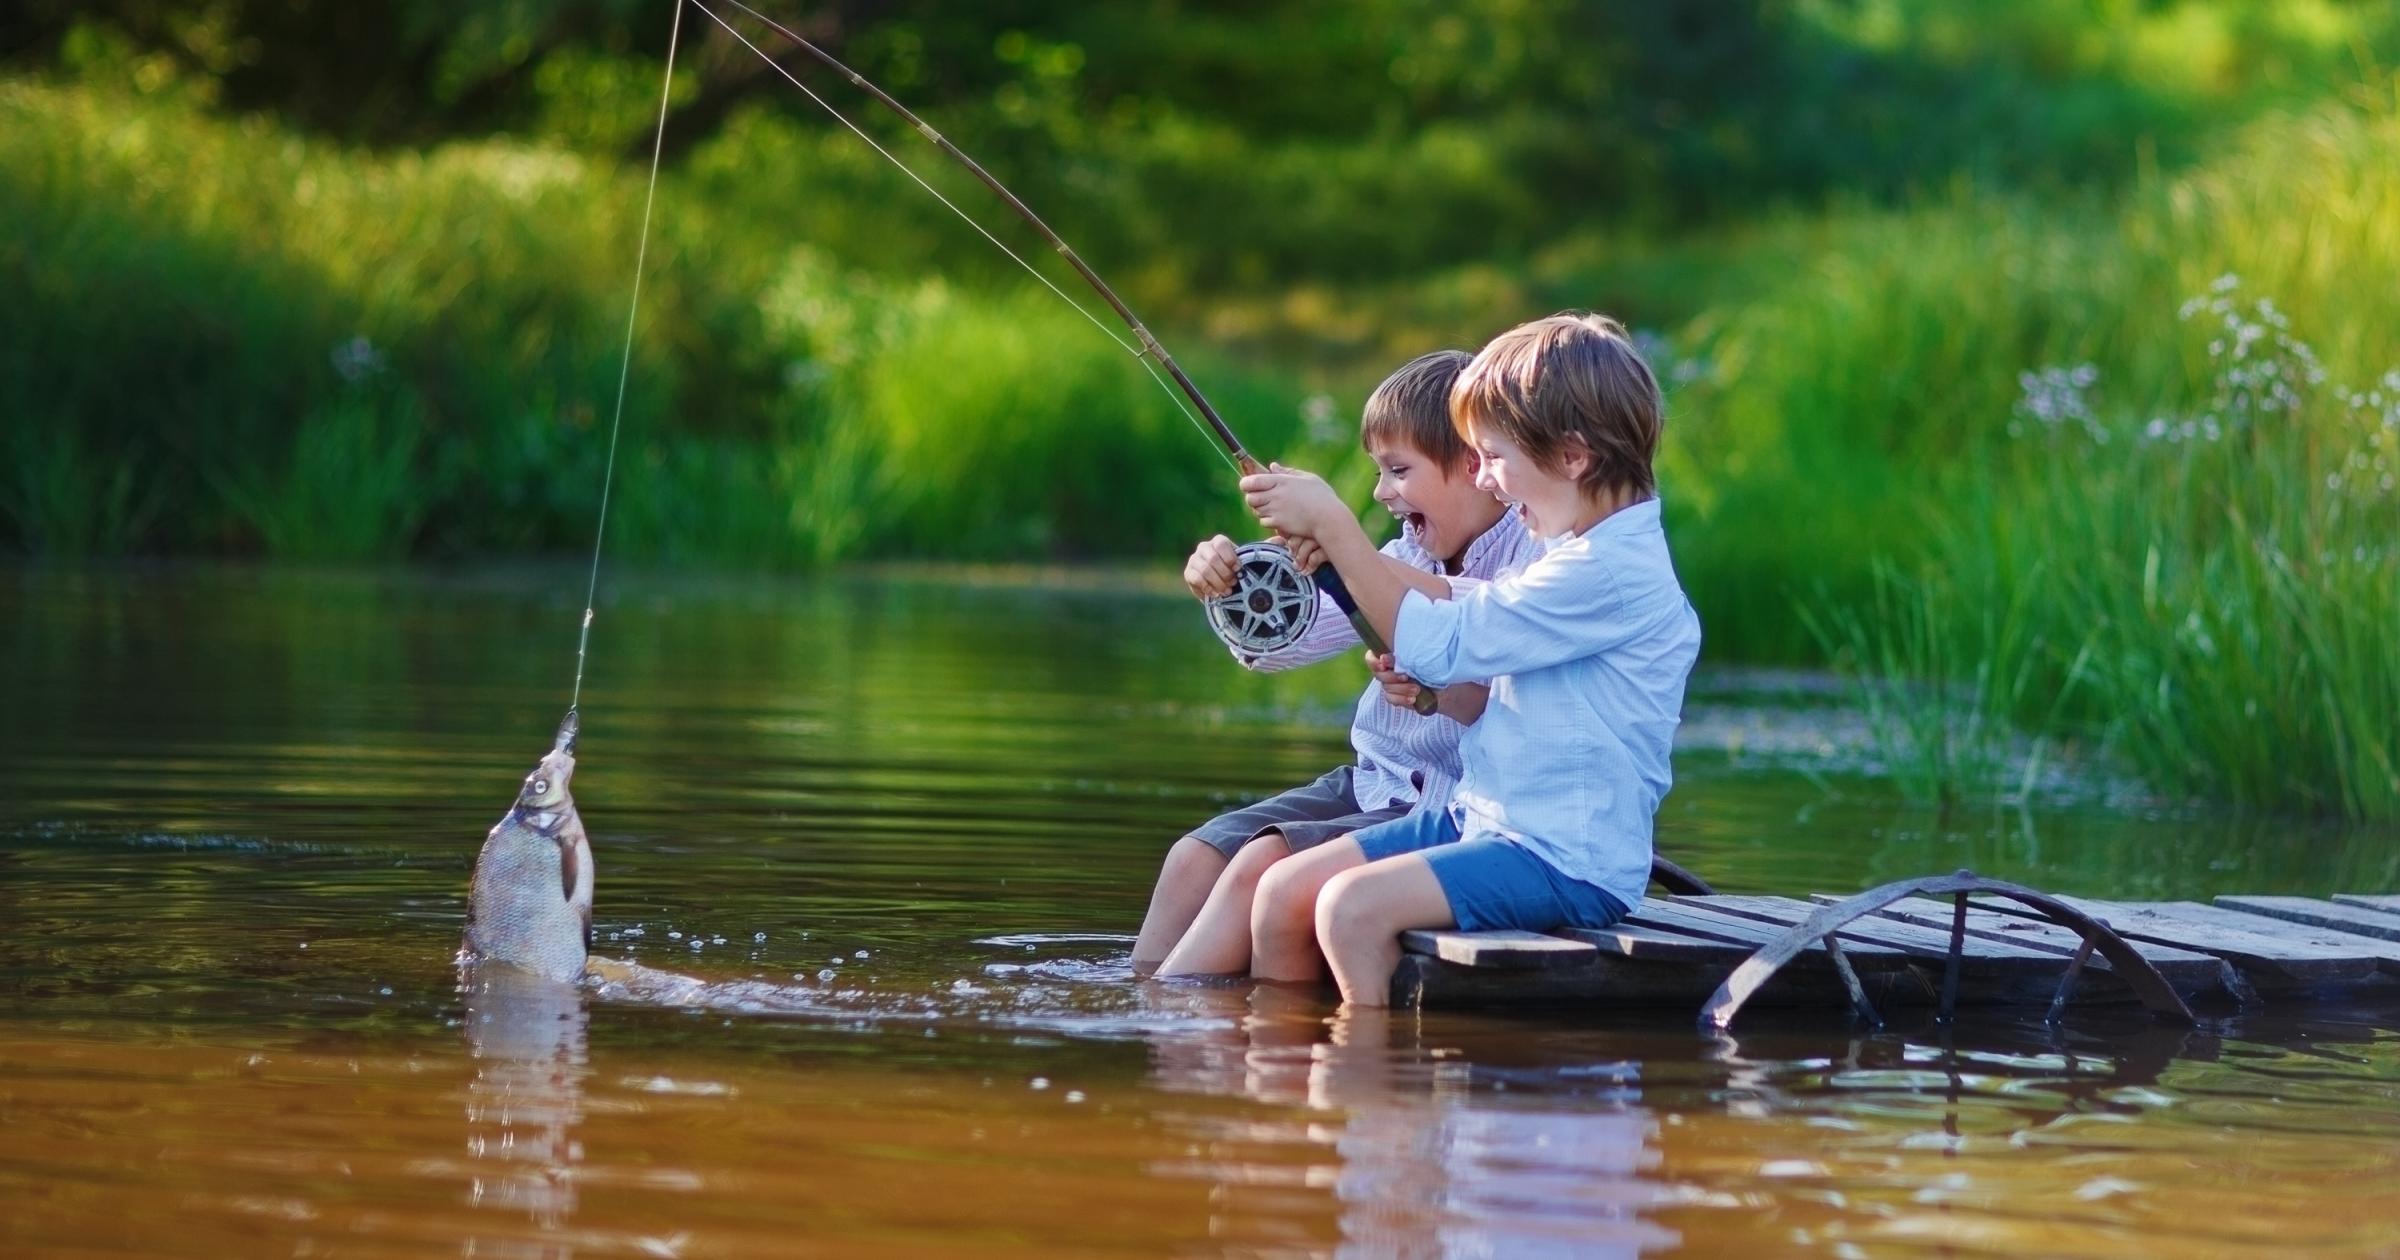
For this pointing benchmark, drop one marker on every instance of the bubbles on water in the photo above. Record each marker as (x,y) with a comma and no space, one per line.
(674,936)
(826,974)
(1038,1083)
(716,940)
(758,938)
(1074,1095)
(385,990)
(860,954)
(697,943)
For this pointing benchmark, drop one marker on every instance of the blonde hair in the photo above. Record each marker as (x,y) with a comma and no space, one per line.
(1571,378)
(1413,406)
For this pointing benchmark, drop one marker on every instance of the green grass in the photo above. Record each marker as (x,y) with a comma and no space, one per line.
(192,295)
(182,371)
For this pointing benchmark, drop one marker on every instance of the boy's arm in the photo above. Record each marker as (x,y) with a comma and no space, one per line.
(1301,505)
(1460,702)
(1567,606)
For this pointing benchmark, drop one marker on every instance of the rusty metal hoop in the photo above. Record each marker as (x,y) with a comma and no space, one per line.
(1677,880)
(2128,964)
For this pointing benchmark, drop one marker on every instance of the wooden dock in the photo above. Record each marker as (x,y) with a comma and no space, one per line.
(1896,948)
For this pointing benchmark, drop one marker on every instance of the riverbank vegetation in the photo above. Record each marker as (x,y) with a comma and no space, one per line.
(1974,322)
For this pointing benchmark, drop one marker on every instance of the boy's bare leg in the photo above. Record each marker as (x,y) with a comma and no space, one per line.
(1361,914)
(1218,942)
(1283,915)
(1184,881)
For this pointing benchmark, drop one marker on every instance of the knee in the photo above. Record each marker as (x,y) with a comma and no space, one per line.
(1281,906)
(1192,861)
(1256,858)
(1344,911)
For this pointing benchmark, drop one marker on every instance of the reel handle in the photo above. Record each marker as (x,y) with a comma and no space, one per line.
(1329,581)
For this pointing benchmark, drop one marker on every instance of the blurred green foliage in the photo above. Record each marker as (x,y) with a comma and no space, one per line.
(348,281)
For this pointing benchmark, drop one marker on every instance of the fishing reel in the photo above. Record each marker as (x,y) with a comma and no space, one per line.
(1272,603)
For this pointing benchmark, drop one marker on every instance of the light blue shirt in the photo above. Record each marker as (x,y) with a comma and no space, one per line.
(1587,649)
(1403,758)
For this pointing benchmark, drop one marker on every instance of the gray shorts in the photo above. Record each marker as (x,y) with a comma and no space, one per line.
(1307,816)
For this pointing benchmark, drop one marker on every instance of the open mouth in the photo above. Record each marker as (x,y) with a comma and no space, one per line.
(1412,522)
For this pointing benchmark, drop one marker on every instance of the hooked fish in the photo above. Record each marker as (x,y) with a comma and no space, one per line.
(531,903)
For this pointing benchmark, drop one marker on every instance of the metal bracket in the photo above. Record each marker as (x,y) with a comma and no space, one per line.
(2123,959)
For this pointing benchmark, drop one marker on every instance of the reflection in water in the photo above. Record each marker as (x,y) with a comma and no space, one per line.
(1432,1155)
(527,1036)
(885,827)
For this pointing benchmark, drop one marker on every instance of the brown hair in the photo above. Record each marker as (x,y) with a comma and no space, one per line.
(1413,406)
(1568,378)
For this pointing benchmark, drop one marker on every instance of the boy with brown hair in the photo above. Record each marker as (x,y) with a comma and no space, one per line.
(1199,917)
(1586,648)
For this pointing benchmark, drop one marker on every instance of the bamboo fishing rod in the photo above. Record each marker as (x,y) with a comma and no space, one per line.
(1273,601)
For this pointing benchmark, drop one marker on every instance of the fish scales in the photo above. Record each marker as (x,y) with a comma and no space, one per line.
(530,905)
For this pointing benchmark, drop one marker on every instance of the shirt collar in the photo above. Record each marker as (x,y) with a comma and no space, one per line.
(1503,536)
(1642,517)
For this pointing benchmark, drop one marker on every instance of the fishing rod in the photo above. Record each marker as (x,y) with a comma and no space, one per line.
(1273,602)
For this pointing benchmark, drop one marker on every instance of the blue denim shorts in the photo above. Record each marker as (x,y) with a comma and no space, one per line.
(1491,881)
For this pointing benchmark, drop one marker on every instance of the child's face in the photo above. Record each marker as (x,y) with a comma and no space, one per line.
(1549,502)
(1442,511)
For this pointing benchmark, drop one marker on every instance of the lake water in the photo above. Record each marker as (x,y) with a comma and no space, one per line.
(919,814)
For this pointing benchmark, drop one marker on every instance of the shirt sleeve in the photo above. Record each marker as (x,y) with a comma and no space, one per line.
(1563,608)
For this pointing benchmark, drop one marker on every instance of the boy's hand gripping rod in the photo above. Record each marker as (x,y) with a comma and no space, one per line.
(1273,603)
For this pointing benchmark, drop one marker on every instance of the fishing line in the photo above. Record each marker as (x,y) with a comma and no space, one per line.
(1139,352)
(616,421)
(1273,602)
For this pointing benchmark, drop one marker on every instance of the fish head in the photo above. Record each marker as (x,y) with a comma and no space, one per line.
(530,904)
(545,789)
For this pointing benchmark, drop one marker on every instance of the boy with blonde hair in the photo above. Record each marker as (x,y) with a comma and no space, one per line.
(1199,917)
(1586,648)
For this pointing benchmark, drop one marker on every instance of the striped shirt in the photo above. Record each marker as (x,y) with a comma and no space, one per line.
(1587,649)
(1403,757)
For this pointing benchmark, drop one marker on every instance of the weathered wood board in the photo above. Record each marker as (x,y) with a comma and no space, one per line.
(2269,955)
(2189,972)
(1992,967)
(2357,920)
(1677,950)
(1501,951)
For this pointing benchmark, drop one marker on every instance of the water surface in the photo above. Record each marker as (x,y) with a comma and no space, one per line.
(902,824)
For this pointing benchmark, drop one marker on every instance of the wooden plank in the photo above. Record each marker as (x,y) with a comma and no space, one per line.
(1681,914)
(2002,960)
(1908,938)
(2320,914)
(1676,914)
(2187,971)
(2269,955)
(1650,944)
(2386,902)
(1503,950)
(1655,969)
